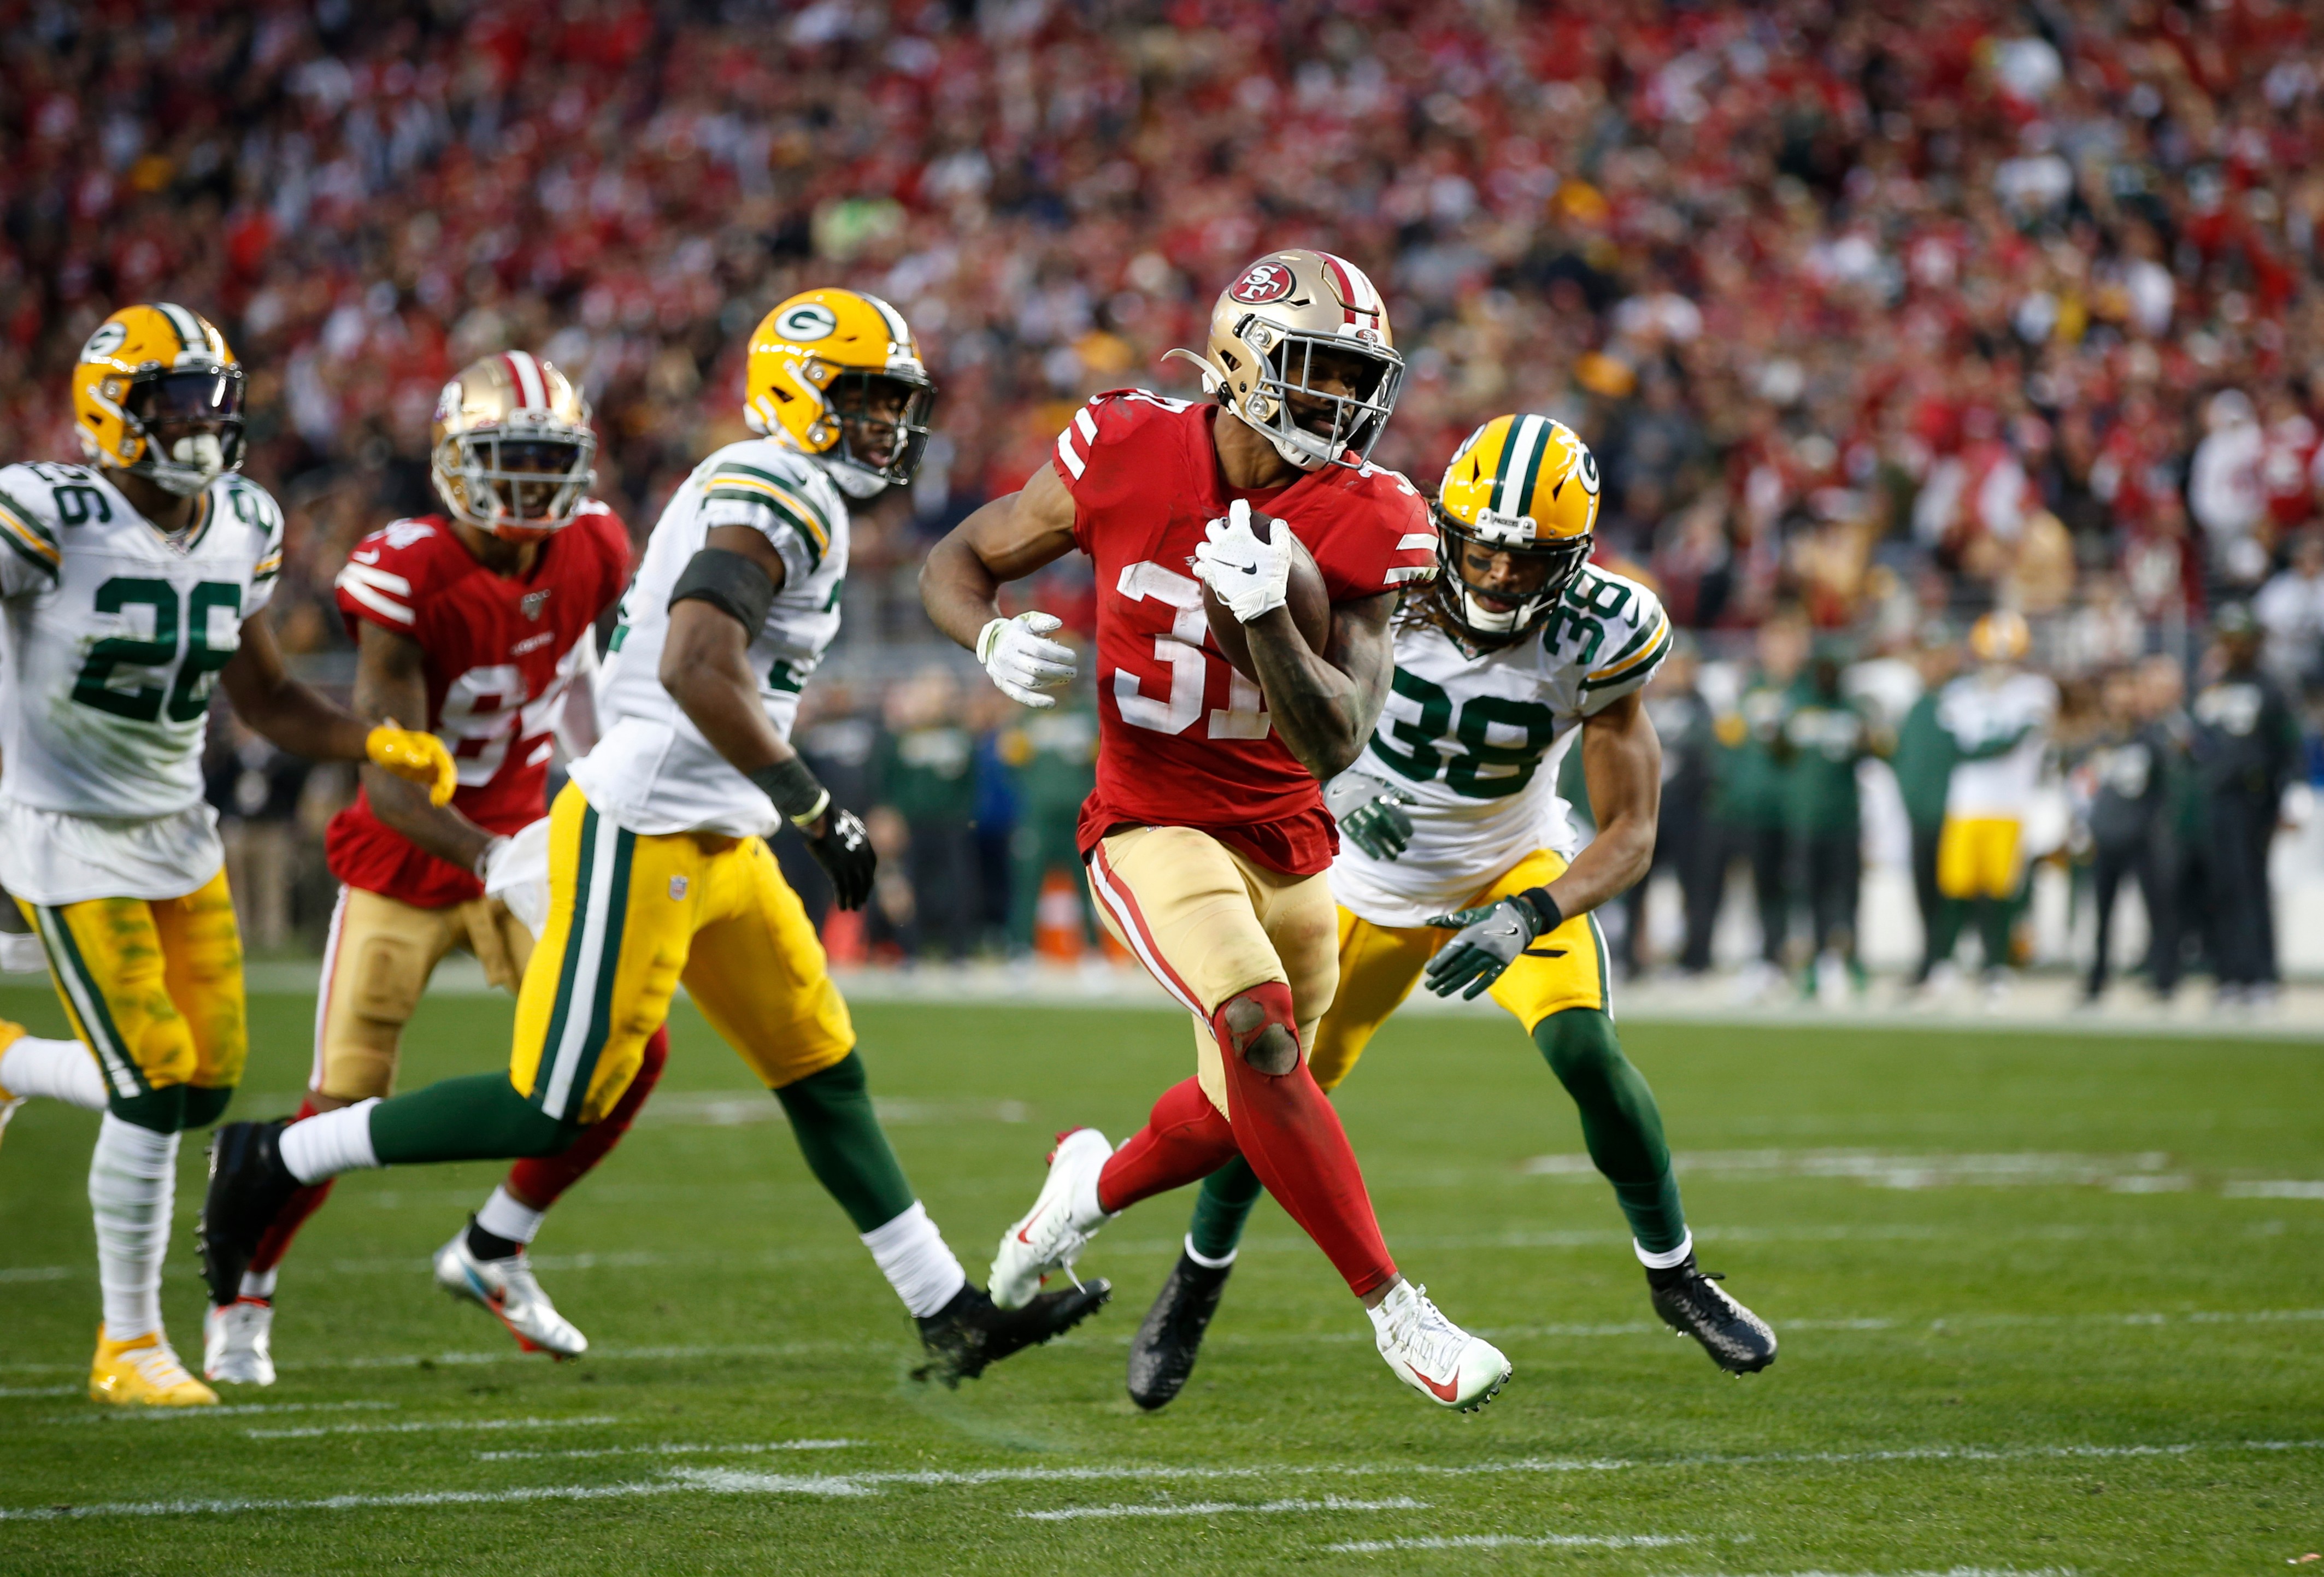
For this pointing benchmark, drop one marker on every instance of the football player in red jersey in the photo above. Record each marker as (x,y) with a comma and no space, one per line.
(1207,838)
(481,619)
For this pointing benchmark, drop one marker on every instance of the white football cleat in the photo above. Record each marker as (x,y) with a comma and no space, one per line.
(1434,1356)
(506,1289)
(236,1342)
(1046,1239)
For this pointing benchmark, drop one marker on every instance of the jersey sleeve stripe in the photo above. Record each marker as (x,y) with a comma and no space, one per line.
(1404,572)
(1067,456)
(800,521)
(26,520)
(268,568)
(42,554)
(1412,540)
(731,475)
(361,585)
(1635,666)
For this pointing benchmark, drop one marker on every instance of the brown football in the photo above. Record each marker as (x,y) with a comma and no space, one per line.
(1303,594)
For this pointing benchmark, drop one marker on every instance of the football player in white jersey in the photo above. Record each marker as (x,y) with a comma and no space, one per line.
(130,585)
(1519,647)
(657,866)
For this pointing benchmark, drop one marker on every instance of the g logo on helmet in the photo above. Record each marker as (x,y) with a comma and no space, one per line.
(1587,472)
(105,342)
(1265,282)
(807,322)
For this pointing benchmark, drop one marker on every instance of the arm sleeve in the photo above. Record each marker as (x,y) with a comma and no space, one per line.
(775,505)
(30,558)
(1646,641)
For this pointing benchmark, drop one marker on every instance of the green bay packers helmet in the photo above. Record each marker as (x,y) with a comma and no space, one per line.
(512,447)
(158,394)
(1523,489)
(1268,330)
(827,361)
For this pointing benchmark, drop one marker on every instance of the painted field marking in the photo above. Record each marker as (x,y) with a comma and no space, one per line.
(232,1410)
(672,1450)
(1948,1571)
(735,1481)
(43,1390)
(1503,1541)
(39,1272)
(1215,1508)
(426,1426)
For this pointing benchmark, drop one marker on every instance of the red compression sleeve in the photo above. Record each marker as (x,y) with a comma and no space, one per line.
(1185,1140)
(538,1180)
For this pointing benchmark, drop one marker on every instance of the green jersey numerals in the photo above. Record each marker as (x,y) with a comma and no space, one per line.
(1584,609)
(1411,747)
(188,694)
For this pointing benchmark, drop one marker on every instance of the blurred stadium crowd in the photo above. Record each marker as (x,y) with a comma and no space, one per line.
(1873,315)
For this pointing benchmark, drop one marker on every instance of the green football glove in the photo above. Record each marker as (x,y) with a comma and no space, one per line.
(1370,813)
(1488,940)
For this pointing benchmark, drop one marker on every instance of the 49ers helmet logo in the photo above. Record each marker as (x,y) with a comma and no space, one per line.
(1265,282)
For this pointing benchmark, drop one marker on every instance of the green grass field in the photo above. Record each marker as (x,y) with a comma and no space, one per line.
(2047,1304)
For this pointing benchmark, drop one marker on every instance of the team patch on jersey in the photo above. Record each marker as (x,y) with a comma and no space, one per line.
(532,603)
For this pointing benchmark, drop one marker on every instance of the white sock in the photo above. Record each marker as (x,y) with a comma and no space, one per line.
(133,1182)
(59,1070)
(259,1284)
(1204,1260)
(505,1216)
(912,1255)
(330,1142)
(1669,1259)
(1088,1213)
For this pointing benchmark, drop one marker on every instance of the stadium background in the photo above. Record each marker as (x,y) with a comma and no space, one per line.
(1878,316)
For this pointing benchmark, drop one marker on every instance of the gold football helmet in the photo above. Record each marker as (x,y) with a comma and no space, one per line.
(2001,636)
(157,393)
(1516,520)
(837,375)
(512,448)
(1300,349)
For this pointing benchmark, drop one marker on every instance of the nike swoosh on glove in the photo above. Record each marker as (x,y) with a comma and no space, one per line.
(419,758)
(1251,576)
(1023,665)
(1488,941)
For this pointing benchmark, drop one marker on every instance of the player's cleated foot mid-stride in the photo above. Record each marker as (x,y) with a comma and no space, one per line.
(143,1372)
(1162,1354)
(1049,1237)
(1434,1356)
(971,1334)
(237,1343)
(248,1186)
(1693,1304)
(507,1289)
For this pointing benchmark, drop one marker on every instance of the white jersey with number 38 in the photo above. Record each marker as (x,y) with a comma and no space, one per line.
(1477,741)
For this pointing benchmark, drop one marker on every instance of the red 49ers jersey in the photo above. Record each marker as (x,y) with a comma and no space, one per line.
(499,654)
(1185,740)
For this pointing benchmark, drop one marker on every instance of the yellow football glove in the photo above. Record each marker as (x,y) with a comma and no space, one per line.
(419,757)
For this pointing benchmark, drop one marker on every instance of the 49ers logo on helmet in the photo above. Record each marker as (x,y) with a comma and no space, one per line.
(1265,282)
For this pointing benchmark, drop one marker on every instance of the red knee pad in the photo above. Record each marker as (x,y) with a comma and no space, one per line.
(1249,1014)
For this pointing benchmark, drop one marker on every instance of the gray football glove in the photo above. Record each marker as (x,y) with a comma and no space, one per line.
(1370,812)
(1488,940)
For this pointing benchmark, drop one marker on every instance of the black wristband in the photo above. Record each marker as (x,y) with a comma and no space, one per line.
(729,583)
(1544,909)
(793,789)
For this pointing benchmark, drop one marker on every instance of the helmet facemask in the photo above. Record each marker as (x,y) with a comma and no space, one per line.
(521,478)
(190,422)
(1528,574)
(872,412)
(1320,400)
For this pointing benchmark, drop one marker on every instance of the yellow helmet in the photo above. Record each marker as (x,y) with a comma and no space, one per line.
(1527,487)
(2000,636)
(153,367)
(815,361)
(512,448)
(1265,330)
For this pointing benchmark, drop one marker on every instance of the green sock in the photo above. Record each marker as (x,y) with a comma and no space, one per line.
(845,1145)
(1951,913)
(1222,1207)
(1620,1122)
(1997,918)
(480,1118)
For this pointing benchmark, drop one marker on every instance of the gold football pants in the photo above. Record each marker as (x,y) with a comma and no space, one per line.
(152,986)
(1380,964)
(631,916)
(376,966)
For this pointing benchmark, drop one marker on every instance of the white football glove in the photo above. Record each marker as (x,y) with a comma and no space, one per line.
(1251,577)
(1027,668)
(515,870)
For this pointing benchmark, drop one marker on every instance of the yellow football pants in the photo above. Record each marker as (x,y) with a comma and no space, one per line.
(1979,856)
(152,986)
(1380,964)
(631,916)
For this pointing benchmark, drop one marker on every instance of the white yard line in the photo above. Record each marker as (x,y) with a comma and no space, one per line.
(235,1410)
(1504,1541)
(428,1425)
(1216,1507)
(672,1450)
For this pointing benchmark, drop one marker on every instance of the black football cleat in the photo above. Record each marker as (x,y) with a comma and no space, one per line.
(1162,1354)
(1693,1303)
(249,1185)
(973,1333)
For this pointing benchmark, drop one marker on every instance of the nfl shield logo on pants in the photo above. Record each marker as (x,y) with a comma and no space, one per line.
(677,886)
